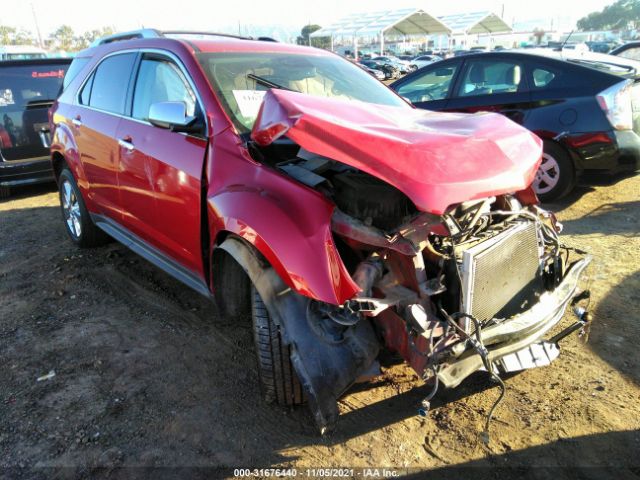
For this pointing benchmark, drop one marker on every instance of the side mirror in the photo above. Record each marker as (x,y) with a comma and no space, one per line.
(171,115)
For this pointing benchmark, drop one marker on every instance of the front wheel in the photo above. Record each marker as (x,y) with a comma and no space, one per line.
(556,175)
(78,224)
(278,378)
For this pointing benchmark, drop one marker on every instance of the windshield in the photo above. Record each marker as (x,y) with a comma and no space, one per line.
(235,77)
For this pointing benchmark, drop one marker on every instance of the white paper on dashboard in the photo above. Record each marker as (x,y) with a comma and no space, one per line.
(249,101)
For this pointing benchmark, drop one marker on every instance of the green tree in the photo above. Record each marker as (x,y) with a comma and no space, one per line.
(6,34)
(63,39)
(304,37)
(622,14)
(87,38)
(13,36)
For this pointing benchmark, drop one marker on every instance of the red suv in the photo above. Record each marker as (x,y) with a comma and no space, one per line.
(304,194)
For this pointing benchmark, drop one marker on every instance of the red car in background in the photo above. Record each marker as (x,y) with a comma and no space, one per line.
(304,194)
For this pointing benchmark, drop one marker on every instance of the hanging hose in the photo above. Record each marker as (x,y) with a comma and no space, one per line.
(477,344)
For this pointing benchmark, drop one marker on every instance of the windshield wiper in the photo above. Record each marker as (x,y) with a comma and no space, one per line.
(267,83)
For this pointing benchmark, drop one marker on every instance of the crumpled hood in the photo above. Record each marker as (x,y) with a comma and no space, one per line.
(436,159)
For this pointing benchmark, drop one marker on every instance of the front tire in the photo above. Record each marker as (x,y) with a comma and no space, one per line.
(78,224)
(556,175)
(278,379)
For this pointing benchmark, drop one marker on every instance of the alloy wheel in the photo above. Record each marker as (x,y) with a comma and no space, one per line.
(71,209)
(547,176)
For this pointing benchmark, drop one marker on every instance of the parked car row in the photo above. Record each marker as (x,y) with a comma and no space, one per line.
(585,108)
(302,193)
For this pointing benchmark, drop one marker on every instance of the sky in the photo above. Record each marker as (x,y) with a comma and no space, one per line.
(214,15)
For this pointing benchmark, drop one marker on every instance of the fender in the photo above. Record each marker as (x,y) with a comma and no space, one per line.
(294,238)
(63,142)
(325,368)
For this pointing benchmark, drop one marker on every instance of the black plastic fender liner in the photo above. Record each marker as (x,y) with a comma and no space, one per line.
(327,363)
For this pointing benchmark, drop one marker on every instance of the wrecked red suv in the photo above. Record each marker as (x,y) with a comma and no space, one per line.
(303,193)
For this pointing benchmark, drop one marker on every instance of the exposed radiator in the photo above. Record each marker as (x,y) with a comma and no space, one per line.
(500,275)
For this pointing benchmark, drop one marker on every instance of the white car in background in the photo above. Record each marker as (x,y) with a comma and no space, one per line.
(424,60)
(21,52)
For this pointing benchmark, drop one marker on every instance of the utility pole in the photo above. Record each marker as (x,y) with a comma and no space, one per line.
(35,20)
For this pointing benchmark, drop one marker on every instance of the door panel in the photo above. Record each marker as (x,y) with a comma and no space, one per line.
(101,105)
(95,134)
(161,190)
(160,169)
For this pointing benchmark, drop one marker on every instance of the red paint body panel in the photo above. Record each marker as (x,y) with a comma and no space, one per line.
(98,147)
(160,189)
(290,224)
(436,159)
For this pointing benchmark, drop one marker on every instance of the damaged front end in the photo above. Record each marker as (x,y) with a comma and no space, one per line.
(476,284)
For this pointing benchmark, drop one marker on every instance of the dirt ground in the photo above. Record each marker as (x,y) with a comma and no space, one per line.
(147,375)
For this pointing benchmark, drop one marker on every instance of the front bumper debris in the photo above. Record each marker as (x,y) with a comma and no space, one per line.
(518,333)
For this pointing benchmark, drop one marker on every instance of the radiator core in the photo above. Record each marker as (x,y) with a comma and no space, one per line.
(501,275)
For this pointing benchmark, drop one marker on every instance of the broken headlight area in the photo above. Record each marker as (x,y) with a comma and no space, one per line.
(478,287)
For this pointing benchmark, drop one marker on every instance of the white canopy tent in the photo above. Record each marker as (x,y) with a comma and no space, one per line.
(406,22)
(475,23)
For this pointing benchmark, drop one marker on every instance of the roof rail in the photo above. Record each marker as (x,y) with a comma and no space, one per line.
(193,32)
(131,35)
(153,33)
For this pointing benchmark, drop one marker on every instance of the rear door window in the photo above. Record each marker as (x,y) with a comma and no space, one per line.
(110,83)
(26,93)
(489,77)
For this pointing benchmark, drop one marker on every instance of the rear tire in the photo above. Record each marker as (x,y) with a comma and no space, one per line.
(556,176)
(278,379)
(78,224)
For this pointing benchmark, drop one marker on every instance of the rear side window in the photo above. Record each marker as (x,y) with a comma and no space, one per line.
(542,77)
(74,69)
(631,53)
(107,89)
(160,80)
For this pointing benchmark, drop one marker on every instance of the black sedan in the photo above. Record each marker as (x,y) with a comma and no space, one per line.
(587,112)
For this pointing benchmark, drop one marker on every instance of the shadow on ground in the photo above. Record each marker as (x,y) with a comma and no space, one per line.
(563,459)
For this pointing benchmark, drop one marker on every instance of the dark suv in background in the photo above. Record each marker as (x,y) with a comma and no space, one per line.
(587,111)
(28,88)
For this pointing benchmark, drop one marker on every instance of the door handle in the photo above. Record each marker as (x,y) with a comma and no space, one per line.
(126,144)
(77,121)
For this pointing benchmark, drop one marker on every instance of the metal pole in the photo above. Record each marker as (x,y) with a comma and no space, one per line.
(382,43)
(35,19)
(355,47)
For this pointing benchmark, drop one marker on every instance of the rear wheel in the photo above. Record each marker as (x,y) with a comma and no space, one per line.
(556,175)
(77,221)
(278,379)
